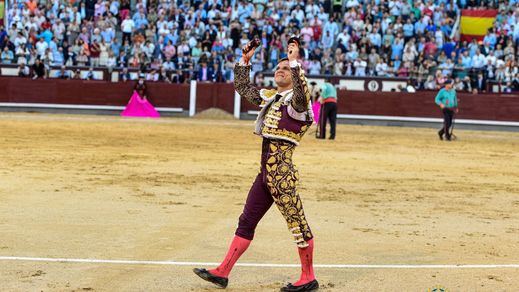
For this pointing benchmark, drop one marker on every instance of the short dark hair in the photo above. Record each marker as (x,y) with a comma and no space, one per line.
(282,60)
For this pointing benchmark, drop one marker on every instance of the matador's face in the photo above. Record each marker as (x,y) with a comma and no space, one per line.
(283,74)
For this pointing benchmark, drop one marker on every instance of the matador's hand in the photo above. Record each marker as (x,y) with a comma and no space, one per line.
(248,50)
(293,52)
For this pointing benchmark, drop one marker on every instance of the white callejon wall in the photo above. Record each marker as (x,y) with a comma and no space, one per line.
(192,98)
(237,105)
(388,85)
(352,84)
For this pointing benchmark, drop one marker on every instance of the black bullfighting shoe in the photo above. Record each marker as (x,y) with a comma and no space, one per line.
(218,281)
(310,286)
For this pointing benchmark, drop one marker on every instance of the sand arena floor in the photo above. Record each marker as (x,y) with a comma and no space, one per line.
(91,187)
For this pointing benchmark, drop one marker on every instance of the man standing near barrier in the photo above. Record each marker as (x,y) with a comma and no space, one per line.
(284,118)
(328,110)
(448,103)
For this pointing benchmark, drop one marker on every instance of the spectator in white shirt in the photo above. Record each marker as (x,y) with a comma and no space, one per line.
(360,67)
(478,61)
(298,14)
(41,47)
(314,67)
(19,40)
(491,59)
(344,38)
(311,9)
(327,40)
(381,68)
(127,27)
(331,26)
(375,39)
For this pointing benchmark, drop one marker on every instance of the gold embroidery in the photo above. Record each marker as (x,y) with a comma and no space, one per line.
(244,87)
(283,133)
(282,178)
(301,98)
(268,93)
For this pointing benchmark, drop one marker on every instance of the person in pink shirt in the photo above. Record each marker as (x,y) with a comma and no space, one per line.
(170,51)
(307,33)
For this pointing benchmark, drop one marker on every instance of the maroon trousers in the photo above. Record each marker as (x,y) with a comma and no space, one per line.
(262,194)
(258,201)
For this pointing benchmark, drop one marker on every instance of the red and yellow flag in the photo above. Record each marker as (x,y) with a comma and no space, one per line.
(2,12)
(475,23)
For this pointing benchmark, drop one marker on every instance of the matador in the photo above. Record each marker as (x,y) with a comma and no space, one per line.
(284,118)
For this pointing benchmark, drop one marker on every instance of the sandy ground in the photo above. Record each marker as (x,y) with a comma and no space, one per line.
(172,189)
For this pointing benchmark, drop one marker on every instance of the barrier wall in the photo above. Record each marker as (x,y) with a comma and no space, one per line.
(83,92)
(498,107)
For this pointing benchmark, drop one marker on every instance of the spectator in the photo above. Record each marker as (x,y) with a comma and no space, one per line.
(315,67)
(430,84)
(127,27)
(7,56)
(360,67)
(184,34)
(63,73)
(124,75)
(205,74)
(77,74)
(95,53)
(90,74)
(178,77)
(23,71)
(381,68)
(163,75)
(39,70)
(480,84)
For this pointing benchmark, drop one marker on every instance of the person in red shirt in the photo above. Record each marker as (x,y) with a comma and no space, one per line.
(429,47)
(95,52)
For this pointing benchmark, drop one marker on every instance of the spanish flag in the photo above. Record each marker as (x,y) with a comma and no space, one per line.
(475,23)
(2,11)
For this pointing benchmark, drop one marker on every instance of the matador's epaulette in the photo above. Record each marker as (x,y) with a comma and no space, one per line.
(267,95)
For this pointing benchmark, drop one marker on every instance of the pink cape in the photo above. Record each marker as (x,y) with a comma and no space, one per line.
(138,107)
(316,109)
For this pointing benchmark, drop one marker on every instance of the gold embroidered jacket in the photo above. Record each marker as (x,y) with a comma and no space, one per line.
(287,118)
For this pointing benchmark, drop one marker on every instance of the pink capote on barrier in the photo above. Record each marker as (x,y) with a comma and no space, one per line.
(316,109)
(139,107)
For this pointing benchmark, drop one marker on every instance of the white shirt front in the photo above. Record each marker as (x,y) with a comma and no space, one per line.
(41,47)
(127,25)
(478,61)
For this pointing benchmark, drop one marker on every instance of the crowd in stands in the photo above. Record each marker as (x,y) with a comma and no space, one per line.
(176,41)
